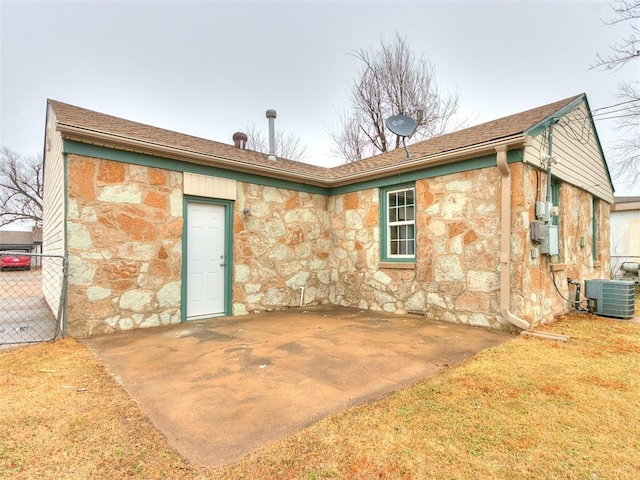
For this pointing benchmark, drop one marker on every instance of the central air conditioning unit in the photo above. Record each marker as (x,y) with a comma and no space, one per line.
(610,298)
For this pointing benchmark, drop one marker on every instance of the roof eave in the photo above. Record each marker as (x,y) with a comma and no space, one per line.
(545,122)
(519,140)
(623,207)
(72,132)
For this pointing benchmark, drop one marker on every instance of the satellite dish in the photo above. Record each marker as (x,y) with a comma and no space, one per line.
(401,125)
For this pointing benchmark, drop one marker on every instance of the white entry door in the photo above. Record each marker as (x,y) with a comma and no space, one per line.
(206,262)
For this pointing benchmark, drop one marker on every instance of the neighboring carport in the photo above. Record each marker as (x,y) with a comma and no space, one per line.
(223,388)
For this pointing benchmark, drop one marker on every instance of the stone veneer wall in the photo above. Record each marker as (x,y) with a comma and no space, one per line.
(125,248)
(355,236)
(537,298)
(456,274)
(282,244)
(124,234)
(457,271)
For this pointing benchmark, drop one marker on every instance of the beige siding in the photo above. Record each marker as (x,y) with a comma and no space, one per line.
(53,241)
(211,187)
(576,147)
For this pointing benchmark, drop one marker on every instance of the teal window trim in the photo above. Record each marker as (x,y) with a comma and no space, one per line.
(228,251)
(555,197)
(594,228)
(386,225)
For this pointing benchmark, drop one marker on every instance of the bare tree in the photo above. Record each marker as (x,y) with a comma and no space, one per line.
(626,159)
(21,188)
(287,145)
(629,48)
(350,140)
(391,81)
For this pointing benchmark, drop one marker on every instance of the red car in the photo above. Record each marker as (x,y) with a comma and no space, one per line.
(14,262)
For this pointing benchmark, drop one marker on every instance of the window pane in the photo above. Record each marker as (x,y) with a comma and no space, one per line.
(410,240)
(394,246)
(402,248)
(411,247)
(409,194)
(410,214)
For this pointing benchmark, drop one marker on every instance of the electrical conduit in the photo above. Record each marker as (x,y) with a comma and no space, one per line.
(505,242)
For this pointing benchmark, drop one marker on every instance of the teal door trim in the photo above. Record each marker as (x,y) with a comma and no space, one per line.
(228,251)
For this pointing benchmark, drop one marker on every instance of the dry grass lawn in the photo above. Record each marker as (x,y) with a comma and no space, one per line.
(530,408)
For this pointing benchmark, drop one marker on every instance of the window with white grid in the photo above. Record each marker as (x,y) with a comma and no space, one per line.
(400,216)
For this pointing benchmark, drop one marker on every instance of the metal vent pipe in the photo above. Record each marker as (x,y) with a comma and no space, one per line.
(271,115)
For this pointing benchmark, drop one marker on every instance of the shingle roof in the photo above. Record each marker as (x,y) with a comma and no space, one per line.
(90,122)
(99,122)
(496,129)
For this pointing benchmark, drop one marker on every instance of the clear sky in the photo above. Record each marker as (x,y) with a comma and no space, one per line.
(210,68)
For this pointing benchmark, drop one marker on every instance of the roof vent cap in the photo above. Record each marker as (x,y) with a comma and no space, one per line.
(240,140)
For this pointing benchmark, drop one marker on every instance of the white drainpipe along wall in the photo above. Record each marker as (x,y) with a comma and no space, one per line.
(505,242)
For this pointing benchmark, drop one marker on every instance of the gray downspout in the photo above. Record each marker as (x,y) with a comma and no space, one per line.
(505,243)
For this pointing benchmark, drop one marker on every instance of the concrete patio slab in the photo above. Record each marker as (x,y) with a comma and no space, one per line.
(222,388)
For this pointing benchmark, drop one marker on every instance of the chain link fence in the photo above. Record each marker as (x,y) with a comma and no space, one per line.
(32,298)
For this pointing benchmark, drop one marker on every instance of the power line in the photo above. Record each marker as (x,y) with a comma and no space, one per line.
(604,117)
(609,112)
(615,105)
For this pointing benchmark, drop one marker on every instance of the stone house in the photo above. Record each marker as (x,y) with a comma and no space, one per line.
(161,227)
